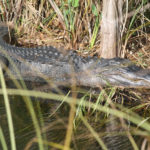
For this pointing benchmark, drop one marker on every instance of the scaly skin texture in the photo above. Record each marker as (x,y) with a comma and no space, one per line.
(64,67)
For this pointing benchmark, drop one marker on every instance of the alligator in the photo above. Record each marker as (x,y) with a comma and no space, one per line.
(42,64)
(64,67)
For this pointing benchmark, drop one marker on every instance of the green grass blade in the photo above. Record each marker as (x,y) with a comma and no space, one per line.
(35,122)
(131,117)
(2,139)
(8,111)
(95,32)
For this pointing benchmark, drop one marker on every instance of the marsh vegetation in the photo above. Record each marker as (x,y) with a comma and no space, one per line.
(35,116)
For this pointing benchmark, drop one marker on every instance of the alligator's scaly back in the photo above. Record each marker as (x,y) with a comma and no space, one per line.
(63,67)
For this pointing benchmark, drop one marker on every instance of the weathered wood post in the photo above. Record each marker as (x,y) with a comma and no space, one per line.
(111,29)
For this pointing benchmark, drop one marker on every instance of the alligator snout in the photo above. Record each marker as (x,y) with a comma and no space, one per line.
(130,76)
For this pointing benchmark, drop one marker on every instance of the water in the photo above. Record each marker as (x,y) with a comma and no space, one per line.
(54,127)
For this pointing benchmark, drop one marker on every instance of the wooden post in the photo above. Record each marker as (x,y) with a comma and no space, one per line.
(111,29)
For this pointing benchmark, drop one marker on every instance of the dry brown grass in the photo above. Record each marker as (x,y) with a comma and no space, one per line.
(49,23)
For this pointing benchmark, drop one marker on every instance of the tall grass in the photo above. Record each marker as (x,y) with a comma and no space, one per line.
(2,139)
(8,111)
(76,24)
(132,117)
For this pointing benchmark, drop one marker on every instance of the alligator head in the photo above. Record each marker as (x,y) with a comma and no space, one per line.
(116,72)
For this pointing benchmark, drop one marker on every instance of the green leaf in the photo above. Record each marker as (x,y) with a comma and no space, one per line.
(94,10)
(75,3)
